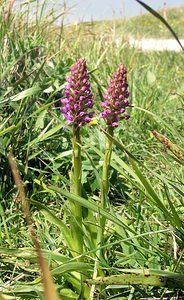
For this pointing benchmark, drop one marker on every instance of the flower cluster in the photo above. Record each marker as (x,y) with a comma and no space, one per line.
(78,96)
(116,99)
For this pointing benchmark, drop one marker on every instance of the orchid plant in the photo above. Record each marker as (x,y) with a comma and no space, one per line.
(77,109)
(114,110)
(76,105)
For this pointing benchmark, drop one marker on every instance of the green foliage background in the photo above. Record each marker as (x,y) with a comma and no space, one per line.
(145,212)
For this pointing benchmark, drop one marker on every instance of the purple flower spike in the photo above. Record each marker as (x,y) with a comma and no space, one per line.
(117,95)
(78,96)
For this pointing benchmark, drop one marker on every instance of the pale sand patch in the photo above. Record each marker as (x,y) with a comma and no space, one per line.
(156,44)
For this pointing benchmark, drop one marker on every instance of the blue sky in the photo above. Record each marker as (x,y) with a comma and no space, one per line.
(86,10)
(105,9)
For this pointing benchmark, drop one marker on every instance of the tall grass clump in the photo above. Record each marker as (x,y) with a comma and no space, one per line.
(95,158)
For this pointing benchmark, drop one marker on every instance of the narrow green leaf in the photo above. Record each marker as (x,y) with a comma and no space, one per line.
(29,253)
(25,289)
(26,93)
(46,134)
(181,193)
(176,217)
(54,220)
(91,205)
(3,132)
(72,266)
(150,190)
(101,58)
(68,294)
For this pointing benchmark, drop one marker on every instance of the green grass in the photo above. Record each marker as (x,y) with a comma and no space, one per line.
(144,26)
(148,26)
(145,213)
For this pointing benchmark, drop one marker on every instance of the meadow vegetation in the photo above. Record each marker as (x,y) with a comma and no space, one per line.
(141,252)
(144,26)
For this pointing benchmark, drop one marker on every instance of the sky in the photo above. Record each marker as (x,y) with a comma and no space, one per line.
(87,10)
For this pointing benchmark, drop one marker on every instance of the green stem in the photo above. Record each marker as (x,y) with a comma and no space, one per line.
(76,188)
(103,205)
(105,173)
(77,164)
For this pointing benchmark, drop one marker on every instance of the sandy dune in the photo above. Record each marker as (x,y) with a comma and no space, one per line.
(156,44)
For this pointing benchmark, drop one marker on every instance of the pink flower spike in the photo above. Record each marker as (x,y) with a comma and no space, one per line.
(117,94)
(78,97)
